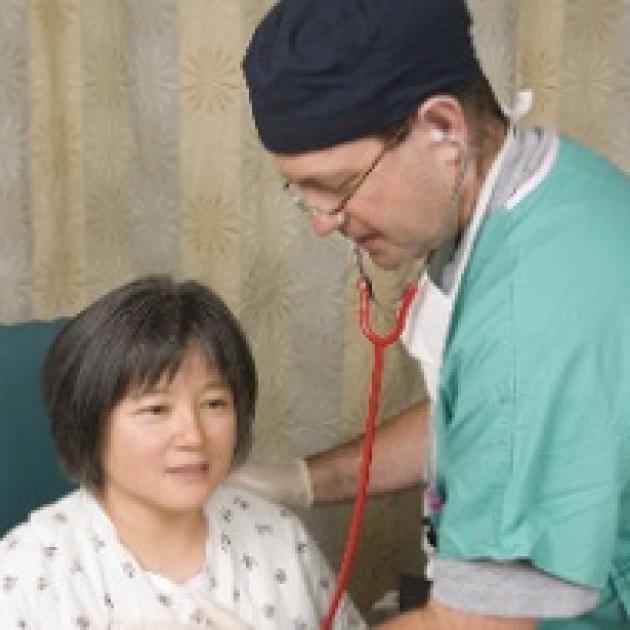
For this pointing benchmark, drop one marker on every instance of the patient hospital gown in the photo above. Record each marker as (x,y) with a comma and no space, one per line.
(66,569)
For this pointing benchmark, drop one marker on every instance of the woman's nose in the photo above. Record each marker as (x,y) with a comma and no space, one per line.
(190,426)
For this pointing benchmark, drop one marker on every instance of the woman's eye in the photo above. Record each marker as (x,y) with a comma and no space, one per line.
(215,403)
(155,410)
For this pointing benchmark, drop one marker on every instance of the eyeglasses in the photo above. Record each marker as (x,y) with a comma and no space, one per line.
(296,195)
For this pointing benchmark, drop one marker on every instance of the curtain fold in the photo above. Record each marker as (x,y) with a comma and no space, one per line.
(128,148)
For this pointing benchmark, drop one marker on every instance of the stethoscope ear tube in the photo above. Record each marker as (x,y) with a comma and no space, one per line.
(380,342)
(365,295)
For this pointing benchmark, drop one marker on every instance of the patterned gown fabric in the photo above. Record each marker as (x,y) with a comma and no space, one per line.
(66,568)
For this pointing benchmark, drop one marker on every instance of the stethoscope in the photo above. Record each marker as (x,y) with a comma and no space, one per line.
(379,343)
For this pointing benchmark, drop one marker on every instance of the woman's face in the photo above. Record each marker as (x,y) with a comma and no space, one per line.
(166,449)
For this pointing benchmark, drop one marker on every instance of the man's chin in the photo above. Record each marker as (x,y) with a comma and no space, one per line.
(388,259)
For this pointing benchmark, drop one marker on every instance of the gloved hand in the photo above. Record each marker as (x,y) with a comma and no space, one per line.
(221,619)
(150,625)
(289,483)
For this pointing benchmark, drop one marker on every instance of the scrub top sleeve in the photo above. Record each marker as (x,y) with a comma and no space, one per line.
(537,478)
(508,589)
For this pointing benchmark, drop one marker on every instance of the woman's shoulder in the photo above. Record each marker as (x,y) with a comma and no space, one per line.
(47,530)
(232,500)
(252,514)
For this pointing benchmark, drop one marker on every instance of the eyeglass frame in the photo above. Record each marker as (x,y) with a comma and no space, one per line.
(391,140)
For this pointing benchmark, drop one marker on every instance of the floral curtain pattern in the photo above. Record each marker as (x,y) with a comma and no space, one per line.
(127,148)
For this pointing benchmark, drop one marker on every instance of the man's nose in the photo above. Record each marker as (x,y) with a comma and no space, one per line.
(326,224)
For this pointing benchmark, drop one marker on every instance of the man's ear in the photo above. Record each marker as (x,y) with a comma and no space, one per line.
(440,120)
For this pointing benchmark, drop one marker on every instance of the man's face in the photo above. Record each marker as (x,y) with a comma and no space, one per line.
(396,212)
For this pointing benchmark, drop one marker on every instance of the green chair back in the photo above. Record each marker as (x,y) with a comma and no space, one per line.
(30,475)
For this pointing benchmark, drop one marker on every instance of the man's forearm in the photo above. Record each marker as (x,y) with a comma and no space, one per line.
(434,616)
(397,460)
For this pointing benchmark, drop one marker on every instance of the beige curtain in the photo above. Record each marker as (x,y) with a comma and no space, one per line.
(126,147)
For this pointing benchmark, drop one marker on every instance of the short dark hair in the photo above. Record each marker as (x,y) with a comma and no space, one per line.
(133,336)
(481,109)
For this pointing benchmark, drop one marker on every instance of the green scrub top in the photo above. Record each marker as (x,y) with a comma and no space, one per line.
(533,413)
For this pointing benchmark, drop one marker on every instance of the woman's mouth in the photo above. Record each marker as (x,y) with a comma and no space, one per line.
(192,472)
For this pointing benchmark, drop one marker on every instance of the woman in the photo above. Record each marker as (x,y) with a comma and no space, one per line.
(152,391)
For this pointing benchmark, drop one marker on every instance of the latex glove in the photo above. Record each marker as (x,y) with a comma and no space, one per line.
(289,483)
(150,625)
(221,619)
(155,625)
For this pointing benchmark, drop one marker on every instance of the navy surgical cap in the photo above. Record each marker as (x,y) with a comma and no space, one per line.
(322,72)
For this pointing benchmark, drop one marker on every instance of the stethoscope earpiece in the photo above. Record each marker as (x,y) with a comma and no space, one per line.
(439,135)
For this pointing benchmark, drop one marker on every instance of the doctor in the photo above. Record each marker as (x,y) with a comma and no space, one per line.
(387,131)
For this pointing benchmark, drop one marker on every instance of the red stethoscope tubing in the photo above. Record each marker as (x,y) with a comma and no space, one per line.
(380,342)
